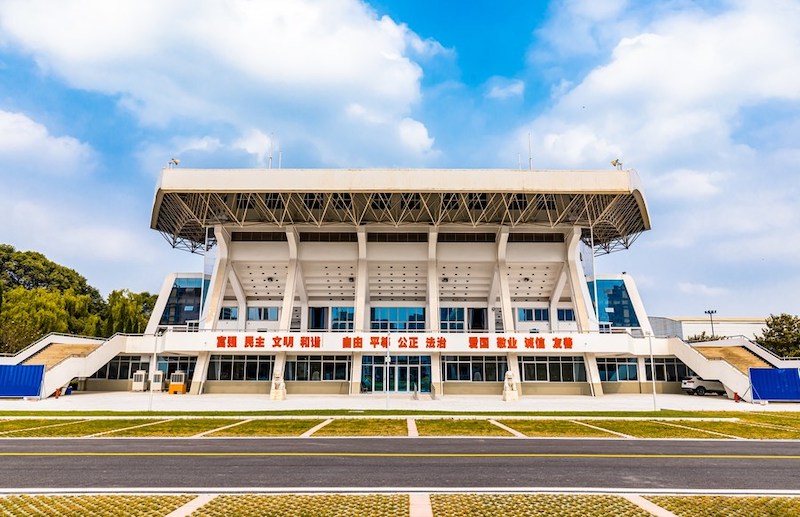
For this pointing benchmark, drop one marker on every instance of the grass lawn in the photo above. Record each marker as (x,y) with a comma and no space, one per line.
(744,430)
(177,427)
(306,505)
(450,427)
(645,429)
(99,505)
(13,425)
(288,427)
(364,427)
(712,506)
(82,428)
(554,428)
(791,420)
(491,505)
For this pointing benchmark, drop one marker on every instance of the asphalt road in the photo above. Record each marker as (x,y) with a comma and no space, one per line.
(399,463)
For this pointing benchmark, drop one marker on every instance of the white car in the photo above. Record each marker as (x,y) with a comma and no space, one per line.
(696,385)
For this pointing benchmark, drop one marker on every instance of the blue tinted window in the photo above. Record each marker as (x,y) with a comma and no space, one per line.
(342,318)
(229,313)
(397,319)
(615,305)
(566,315)
(262,313)
(451,319)
(183,303)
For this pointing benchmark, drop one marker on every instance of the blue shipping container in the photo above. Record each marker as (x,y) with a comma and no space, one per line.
(21,380)
(780,384)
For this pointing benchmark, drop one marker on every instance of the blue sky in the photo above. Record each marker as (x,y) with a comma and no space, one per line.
(702,98)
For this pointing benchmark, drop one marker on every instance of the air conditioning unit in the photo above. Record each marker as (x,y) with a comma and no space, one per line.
(177,383)
(158,381)
(139,380)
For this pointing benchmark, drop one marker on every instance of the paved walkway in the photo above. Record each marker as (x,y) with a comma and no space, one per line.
(128,401)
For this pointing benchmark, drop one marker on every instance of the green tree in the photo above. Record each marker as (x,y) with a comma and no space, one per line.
(128,312)
(29,314)
(32,270)
(781,335)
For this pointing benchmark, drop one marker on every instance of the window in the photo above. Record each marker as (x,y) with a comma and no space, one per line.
(240,368)
(552,369)
(474,368)
(342,319)
(566,315)
(172,364)
(121,367)
(518,202)
(273,201)
(477,319)
(229,313)
(318,368)
(449,201)
(477,201)
(262,313)
(312,201)
(183,303)
(668,369)
(397,319)
(613,369)
(615,306)
(342,201)
(410,201)
(380,201)
(317,318)
(534,315)
(451,319)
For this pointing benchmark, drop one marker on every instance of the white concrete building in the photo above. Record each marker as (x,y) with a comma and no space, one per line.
(363,281)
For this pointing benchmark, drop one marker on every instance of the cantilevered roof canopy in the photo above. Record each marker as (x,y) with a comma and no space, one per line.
(610,202)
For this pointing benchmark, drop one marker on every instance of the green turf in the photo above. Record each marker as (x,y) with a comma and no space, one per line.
(288,427)
(648,429)
(82,428)
(452,427)
(365,427)
(554,428)
(177,427)
(12,425)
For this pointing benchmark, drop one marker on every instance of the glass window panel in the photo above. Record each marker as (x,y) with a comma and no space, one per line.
(251,371)
(555,372)
(463,372)
(567,372)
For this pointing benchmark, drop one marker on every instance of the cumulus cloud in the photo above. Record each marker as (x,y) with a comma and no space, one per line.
(687,184)
(259,66)
(28,147)
(699,289)
(502,88)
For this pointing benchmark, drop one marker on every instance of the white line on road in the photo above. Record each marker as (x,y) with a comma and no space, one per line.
(316,428)
(191,506)
(412,427)
(198,435)
(506,428)
(648,506)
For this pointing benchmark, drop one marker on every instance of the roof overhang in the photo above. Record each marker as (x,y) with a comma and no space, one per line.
(609,202)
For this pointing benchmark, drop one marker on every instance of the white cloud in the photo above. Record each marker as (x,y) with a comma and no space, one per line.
(502,88)
(686,184)
(272,67)
(414,136)
(257,143)
(699,289)
(27,147)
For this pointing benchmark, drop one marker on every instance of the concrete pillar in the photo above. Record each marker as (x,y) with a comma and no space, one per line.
(437,385)
(355,374)
(513,367)
(219,280)
(360,316)
(432,323)
(593,374)
(584,310)
(555,297)
(505,291)
(200,373)
(285,318)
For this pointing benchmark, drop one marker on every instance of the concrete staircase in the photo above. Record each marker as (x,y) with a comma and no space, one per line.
(54,353)
(734,379)
(740,357)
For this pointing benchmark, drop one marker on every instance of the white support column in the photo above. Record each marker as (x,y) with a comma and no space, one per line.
(513,367)
(277,386)
(360,323)
(241,298)
(291,282)
(593,374)
(502,271)
(355,374)
(433,283)
(638,306)
(437,386)
(200,373)
(555,297)
(219,280)
(645,386)
(584,310)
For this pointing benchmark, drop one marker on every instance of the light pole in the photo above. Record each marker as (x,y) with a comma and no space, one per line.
(652,369)
(711,313)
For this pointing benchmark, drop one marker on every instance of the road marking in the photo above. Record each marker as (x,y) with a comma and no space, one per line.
(191,506)
(198,435)
(507,429)
(648,506)
(290,454)
(411,425)
(702,430)
(420,505)
(601,429)
(316,428)
(44,427)
(126,428)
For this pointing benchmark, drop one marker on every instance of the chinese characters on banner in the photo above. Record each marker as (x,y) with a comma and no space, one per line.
(349,342)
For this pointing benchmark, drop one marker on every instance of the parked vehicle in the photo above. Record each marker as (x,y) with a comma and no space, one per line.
(695,385)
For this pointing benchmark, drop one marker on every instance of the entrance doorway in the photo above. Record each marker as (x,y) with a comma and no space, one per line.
(404,373)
